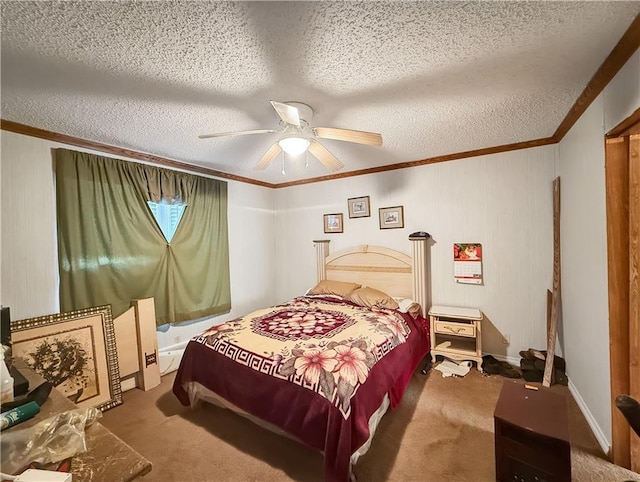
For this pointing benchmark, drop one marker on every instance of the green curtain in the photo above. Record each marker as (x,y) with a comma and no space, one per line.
(111,250)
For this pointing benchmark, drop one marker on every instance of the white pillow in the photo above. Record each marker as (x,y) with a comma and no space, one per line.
(404,303)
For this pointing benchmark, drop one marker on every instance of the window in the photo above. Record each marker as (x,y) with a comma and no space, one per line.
(167,216)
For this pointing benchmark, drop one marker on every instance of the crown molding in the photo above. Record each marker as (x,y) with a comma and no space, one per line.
(26,130)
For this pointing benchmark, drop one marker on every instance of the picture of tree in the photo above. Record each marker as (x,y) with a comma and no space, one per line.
(61,361)
(66,360)
(75,352)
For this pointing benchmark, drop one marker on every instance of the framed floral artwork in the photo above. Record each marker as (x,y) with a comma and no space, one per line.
(391,218)
(333,223)
(75,352)
(359,207)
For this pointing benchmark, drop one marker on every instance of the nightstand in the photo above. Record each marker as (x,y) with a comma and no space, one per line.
(456,333)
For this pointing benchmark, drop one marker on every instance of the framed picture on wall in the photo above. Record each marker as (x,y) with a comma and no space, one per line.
(359,207)
(391,218)
(333,223)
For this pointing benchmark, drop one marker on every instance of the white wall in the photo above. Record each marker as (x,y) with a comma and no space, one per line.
(503,201)
(585,316)
(28,251)
(622,95)
(584,264)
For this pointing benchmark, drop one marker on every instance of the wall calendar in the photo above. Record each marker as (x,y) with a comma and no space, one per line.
(467,263)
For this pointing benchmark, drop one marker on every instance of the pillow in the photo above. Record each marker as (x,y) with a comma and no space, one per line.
(331,287)
(335,297)
(407,305)
(372,298)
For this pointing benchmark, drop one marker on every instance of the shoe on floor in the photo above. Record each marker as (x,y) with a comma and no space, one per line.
(532,354)
(532,375)
(541,356)
(493,366)
(526,364)
(491,360)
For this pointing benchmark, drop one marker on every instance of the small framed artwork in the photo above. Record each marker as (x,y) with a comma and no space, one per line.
(359,207)
(333,223)
(75,352)
(391,218)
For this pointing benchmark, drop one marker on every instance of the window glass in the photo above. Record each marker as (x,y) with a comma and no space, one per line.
(167,216)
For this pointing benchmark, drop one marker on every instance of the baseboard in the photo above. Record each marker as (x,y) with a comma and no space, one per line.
(595,428)
(169,357)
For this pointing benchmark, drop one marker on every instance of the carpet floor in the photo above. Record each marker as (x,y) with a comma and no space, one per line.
(442,431)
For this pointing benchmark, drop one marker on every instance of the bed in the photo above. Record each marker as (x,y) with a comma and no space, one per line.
(325,366)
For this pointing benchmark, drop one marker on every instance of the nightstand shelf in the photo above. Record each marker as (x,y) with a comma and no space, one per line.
(456,333)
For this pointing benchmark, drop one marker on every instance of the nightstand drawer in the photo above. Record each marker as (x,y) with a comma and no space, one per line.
(460,329)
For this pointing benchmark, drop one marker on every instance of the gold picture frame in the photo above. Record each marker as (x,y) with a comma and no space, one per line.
(391,218)
(333,223)
(359,207)
(75,352)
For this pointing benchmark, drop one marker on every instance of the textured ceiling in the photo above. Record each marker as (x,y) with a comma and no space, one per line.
(434,78)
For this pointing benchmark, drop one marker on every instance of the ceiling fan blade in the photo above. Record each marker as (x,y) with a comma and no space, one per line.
(269,156)
(237,133)
(348,135)
(324,156)
(287,113)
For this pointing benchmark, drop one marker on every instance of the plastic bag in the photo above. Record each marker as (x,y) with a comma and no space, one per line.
(51,440)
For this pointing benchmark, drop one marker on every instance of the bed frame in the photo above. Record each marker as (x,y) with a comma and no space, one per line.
(137,346)
(382,268)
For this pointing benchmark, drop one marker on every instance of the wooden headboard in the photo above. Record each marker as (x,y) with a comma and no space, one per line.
(382,268)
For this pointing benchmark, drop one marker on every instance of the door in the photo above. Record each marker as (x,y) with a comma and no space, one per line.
(622,166)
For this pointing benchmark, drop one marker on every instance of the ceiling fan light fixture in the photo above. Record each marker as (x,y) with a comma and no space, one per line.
(294,145)
(295,139)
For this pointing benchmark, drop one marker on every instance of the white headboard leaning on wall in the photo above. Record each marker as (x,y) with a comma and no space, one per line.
(386,269)
(137,346)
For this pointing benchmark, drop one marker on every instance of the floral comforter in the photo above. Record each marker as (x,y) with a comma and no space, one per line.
(315,367)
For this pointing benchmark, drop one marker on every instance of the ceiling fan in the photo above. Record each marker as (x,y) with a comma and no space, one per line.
(297,137)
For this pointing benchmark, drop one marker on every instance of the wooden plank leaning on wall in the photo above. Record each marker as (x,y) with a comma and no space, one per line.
(552,325)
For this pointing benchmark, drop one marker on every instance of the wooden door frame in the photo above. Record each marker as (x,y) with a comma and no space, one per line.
(622,178)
